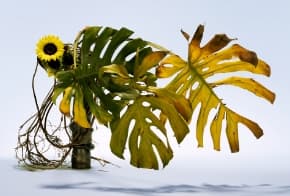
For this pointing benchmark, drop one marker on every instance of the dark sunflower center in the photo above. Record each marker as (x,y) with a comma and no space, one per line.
(50,49)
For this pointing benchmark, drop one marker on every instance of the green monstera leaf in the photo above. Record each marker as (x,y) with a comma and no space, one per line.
(100,55)
(191,80)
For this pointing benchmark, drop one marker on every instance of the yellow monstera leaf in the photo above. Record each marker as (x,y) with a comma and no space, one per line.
(64,105)
(191,80)
(79,111)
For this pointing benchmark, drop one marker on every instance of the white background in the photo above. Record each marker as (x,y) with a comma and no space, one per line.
(262,26)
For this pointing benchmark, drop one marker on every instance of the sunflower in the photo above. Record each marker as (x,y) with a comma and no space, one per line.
(49,48)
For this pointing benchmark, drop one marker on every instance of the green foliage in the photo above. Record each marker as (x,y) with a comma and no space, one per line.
(94,64)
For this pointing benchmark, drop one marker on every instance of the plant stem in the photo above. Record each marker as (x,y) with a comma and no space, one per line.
(81,154)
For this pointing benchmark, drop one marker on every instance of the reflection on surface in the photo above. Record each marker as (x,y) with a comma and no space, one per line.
(267,189)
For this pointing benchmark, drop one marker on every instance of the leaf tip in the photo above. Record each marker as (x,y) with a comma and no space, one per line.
(199,145)
(198,34)
(217,149)
(273,98)
(185,35)
(246,55)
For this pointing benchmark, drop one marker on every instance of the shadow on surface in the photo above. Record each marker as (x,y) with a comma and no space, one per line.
(174,189)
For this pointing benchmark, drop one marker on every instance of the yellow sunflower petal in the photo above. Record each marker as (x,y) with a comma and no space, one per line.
(49,48)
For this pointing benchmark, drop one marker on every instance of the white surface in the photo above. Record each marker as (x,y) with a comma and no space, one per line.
(110,180)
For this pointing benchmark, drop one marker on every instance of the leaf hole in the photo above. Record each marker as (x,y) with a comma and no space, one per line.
(80,43)
(180,87)
(132,124)
(168,65)
(118,50)
(98,101)
(139,141)
(106,91)
(117,98)
(144,93)
(130,56)
(146,104)
(231,60)
(109,112)
(205,69)
(157,155)
(92,47)
(189,78)
(148,120)
(102,54)
(157,112)
(195,86)
(142,84)
(123,111)
(160,135)
(187,94)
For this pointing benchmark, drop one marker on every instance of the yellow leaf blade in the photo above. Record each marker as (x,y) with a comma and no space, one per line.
(169,66)
(233,66)
(148,62)
(218,42)
(194,50)
(254,127)
(79,112)
(181,104)
(114,69)
(216,127)
(232,132)
(64,105)
(191,81)
(250,85)
(232,128)
(229,54)
(207,104)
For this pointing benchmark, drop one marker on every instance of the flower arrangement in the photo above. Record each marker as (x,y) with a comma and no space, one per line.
(108,77)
